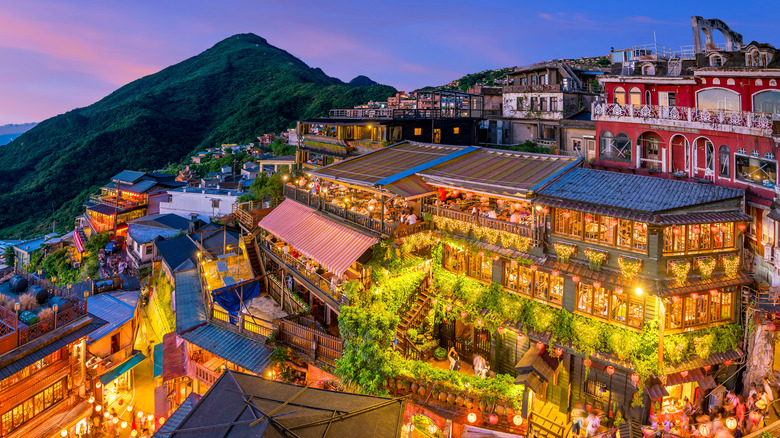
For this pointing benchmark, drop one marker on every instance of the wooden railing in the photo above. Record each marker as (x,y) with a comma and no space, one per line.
(318,345)
(496,224)
(404,230)
(123,204)
(204,374)
(246,324)
(276,291)
(409,350)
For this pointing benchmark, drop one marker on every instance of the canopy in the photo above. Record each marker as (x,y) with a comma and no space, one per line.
(332,245)
(122,368)
(411,187)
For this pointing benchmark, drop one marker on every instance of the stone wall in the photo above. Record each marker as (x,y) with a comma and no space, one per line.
(760,356)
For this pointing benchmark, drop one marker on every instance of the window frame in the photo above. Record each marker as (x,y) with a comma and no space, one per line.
(761,161)
(541,286)
(679,309)
(610,297)
(672,242)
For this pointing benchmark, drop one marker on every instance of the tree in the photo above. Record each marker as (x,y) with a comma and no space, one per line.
(9,255)
(281,149)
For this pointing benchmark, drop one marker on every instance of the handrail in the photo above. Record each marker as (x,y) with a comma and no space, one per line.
(710,117)
(496,224)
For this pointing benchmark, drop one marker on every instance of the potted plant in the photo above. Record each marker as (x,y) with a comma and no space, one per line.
(440,354)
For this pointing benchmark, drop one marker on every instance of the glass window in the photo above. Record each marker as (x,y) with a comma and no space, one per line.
(517,278)
(755,170)
(767,102)
(554,104)
(567,222)
(615,148)
(585,298)
(417,131)
(717,98)
(606,304)
(480,267)
(635,96)
(542,104)
(696,306)
(456,130)
(700,237)
(556,290)
(619,96)
(520,103)
(640,236)
(534,80)
(533,104)
(724,159)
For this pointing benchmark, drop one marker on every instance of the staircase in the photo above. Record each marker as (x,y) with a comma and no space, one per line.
(80,239)
(411,314)
(253,255)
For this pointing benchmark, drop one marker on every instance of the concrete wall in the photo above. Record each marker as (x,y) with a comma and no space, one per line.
(184,204)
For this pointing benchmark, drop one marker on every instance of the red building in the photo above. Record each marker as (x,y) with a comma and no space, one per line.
(706,113)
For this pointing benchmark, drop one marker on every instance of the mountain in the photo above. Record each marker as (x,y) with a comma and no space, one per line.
(239,88)
(10,132)
(362,81)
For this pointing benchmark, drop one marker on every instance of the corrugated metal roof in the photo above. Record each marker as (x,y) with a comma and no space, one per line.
(411,187)
(128,176)
(384,163)
(634,192)
(114,311)
(176,250)
(244,352)
(190,304)
(50,348)
(139,187)
(500,173)
(713,359)
(108,210)
(176,418)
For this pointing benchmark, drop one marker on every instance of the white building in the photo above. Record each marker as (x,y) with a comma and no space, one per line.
(198,203)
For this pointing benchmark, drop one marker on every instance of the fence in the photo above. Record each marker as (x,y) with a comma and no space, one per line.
(318,345)
(496,224)
(710,117)
(247,324)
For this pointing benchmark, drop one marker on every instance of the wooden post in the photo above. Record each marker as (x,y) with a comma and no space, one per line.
(661,319)
(382,212)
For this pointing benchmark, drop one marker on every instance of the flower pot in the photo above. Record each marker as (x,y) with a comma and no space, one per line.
(509,411)
(460,400)
(451,398)
(442,396)
(399,384)
(469,403)
(500,410)
(421,390)
(415,387)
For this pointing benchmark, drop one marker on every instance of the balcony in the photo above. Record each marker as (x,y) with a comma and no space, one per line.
(739,122)
(323,144)
(495,224)
(245,324)
(406,113)
(554,88)
(123,204)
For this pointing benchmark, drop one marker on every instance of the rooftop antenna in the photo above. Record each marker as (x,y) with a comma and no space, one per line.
(655,44)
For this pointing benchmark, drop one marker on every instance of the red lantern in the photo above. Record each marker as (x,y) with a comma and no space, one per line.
(695,296)
(613,222)
(676,231)
(727,363)
(754,417)
(566,214)
(696,230)
(731,423)
(555,273)
(481,253)
(464,314)
(704,430)
(500,330)
(559,351)
(684,373)
(517,420)
(675,299)
(714,228)
(493,419)
(534,267)
(742,226)
(635,378)
(471,417)
(479,321)
(771,326)
(662,379)
(575,278)
(610,370)
(545,210)
(588,218)
(540,345)
(519,337)
(724,228)
(496,257)
(597,284)
(618,290)
(483,337)
(713,292)
(639,226)
(587,362)
(707,367)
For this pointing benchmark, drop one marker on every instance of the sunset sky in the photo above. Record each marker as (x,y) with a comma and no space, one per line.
(59,55)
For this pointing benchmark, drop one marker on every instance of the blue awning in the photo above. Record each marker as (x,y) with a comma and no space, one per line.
(122,368)
(157,357)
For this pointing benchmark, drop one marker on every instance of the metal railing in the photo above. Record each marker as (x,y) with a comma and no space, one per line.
(123,204)
(711,118)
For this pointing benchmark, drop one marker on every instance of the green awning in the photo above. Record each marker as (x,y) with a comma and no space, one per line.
(157,357)
(122,368)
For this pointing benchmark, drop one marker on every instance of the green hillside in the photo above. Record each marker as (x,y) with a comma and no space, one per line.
(232,92)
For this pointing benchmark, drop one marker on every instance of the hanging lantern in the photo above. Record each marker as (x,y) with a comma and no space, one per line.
(434,301)
(432,428)
(662,379)
(493,419)
(704,429)
(534,267)
(469,195)
(140,415)
(714,228)
(448,307)
(98,408)
(545,210)
(731,423)
(64,433)
(618,290)
(566,214)
(559,351)
(555,273)
(161,421)
(91,400)
(771,326)
(684,373)
(754,417)
(540,345)
(742,226)
(518,206)
(115,420)
(714,292)
(575,278)
(587,362)
(106,415)
(124,424)
(727,363)
(472,417)
(519,337)
(707,367)
(610,370)
(517,420)
(724,228)
(613,222)
(675,299)
(597,284)
(588,218)
(676,231)
(500,330)
(639,226)
(479,321)
(481,253)
(464,314)
(694,296)
(635,378)
(696,230)
(496,257)
(133,433)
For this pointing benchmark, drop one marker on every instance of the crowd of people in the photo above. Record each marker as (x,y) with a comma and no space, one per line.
(483,206)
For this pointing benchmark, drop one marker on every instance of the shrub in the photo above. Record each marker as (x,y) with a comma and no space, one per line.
(440,353)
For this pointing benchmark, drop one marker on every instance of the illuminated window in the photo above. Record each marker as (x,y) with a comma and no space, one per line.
(619,96)
(697,309)
(456,130)
(693,238)
(541,285)
(417,131)
(621,308)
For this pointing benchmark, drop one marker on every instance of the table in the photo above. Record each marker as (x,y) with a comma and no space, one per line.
(228,280)
(222,267)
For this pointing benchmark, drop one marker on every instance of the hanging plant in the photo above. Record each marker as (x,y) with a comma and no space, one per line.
(731,265)
(595,258)
(706,266)
(629,266)
(564,251)
(702,345)
(680,268)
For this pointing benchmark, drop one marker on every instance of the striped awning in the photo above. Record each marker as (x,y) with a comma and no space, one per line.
(332,245)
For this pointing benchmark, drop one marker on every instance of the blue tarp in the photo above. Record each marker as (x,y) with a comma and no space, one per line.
(122,368)
(157,356)
(230,297)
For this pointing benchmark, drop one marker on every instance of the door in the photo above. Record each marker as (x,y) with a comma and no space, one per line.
(437,136)
(114,343)
(680,154)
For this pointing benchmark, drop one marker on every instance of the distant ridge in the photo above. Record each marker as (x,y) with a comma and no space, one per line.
(239,88)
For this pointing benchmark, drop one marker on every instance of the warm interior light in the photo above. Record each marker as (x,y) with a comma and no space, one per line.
(639,291)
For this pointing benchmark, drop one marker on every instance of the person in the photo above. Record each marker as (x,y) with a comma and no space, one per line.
(592,423)
(577,417)
(768,390)
(452,356)
(411,219)
(740,409)
(752,390)
(516,216)
(475,211)
(491,213)
(480,368)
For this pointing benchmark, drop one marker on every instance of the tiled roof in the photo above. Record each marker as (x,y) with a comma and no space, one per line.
(176,418)
(713,359)
(634,192)
(128,176)
(177,250)
(717,281)
(244,352)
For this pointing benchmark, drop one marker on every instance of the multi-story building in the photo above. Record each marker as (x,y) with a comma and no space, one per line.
(199,203)
(128,196)
(44,386)
(703,113)
(544,95)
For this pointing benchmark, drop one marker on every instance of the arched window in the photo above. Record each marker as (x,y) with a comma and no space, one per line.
(717,98)
(619,95)
(615,148)
(724,161)
(709,155)
(647,98)
(767,102)
(648,70)
(716,60)
(635,96)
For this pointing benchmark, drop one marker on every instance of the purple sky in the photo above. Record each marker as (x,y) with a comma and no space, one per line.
(63,54)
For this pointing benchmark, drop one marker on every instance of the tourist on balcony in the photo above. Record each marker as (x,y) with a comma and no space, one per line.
(516,217)
(411,219)
(454,359)
(491,213)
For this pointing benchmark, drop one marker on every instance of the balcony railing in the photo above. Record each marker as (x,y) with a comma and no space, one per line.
(244,324)
(406,113)
(123,204)
(325,144)
(554,88)
(707,118)
(314,343)
(362,113)
(204,374)
(316,202)
(496,224)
